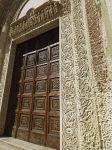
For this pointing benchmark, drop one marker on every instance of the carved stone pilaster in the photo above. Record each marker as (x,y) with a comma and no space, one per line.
(68,89)
(103,83)
(86,100)
(80,126)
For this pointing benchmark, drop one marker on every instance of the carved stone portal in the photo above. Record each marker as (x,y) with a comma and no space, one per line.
(35,18)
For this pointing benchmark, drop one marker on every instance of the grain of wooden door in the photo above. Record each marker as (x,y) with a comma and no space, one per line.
(37,113)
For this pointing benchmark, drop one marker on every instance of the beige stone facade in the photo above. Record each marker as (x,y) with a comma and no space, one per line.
(85,69)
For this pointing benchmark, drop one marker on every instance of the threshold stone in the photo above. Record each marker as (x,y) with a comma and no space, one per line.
(9,143)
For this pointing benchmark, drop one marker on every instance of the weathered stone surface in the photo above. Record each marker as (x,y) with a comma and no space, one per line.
(86,72)
(15,144)
(68,91)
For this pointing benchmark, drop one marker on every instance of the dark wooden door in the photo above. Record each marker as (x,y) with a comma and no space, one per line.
(37,113)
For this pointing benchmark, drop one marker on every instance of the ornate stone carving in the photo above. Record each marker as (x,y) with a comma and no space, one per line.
(35,17)
(66,6)
(79,126)
(68,89)
(99,62)
(86,103)
(79,103)
(103,83)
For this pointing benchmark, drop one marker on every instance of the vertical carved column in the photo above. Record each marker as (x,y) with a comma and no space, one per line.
(80,122)
(103,85)
(68,92)
(86,100)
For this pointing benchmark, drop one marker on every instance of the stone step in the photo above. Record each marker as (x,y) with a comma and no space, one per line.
(10,143)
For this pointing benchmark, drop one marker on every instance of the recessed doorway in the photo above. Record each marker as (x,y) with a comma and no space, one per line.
(33,110)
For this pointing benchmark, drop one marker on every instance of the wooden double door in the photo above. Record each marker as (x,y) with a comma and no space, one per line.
(37,114)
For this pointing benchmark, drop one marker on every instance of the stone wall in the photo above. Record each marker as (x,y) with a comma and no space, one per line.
(86,42)
(86,74)
(7,15)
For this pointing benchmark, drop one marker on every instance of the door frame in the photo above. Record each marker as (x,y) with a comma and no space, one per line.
(10,62)
(16,129)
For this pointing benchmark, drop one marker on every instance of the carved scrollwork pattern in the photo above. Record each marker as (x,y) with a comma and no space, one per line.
(69,116)
(89,132)
(87,114)
(66,6)
(103,85)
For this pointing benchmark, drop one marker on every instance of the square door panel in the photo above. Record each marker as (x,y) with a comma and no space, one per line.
(54,84)
(29,74)
(28,87)
(41,86)
(54,125)
(38,123)
(30,61)
(54,68)
(41,71)
(55,52)
(39,103)
(26,103)
(24,121)
(42,56)
(54,103)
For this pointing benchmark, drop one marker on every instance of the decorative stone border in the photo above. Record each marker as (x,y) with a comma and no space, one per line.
(35,18)
(86,119)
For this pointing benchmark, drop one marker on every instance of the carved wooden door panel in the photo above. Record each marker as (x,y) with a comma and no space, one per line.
(53,125)
(37,113)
